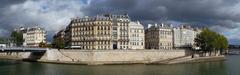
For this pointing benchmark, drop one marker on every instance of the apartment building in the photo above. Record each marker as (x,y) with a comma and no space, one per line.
(34,36)
(100,32)
(183,36)
(159,36)
(136,34)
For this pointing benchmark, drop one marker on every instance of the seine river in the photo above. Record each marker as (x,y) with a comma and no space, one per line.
(229,67)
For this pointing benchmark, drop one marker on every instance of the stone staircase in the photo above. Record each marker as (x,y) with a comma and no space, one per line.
(181,59)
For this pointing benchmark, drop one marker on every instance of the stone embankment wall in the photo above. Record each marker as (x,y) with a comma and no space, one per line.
(15,55)
(93,57)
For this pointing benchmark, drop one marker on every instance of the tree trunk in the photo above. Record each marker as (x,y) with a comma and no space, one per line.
(210,53)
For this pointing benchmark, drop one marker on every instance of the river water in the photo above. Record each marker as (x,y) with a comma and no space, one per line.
(229,67)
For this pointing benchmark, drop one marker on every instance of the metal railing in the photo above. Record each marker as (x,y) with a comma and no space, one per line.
(21,49)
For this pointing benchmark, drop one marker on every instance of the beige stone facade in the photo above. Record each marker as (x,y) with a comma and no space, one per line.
(158,37)
(91,33)
(60,33)
(99,32)
(183,36)
(33,36)
(136,34)
(120,31)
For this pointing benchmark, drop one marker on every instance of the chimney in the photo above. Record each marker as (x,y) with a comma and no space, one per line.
(138,22)
(85,16)
(155,24)
(162,25)
(149,25)
(171,25)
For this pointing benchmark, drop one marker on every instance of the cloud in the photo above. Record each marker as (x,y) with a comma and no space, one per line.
(231,34)
(5,3)
(208,13)
(222,16)
(53,15)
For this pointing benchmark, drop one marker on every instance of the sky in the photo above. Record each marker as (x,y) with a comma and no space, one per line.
(222,16)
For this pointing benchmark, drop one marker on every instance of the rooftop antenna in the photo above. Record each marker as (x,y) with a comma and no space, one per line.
(125,12)
(149,25)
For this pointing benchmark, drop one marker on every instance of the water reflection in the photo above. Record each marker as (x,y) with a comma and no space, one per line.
(229,67)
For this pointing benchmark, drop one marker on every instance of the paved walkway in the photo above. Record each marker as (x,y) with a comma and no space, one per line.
(189,59)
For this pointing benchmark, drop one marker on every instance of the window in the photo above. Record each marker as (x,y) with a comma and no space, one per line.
(114,28)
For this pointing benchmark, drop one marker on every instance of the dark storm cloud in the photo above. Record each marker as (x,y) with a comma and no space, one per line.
(4,24)
(107,6)
(202,12)
(49,14)
(220,15)
(10,2)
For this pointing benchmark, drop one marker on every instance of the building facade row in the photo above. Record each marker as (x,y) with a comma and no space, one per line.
(104,32)
(159,37)
(184,36)
(108,31)
(32,36)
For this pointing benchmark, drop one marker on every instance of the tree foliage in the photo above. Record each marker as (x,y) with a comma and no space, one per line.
(43,45)
(209,40)
(2,40)
(17,37)
(58,42)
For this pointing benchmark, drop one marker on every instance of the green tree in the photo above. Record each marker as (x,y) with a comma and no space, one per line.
(58,42)
(49,45)
(224,44)
(17,37)
(2,40)
(43,45)
(210,41)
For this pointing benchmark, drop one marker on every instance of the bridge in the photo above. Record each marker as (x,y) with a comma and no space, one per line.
(20,49)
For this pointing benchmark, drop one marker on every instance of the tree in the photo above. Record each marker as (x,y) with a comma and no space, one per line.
(210,41)
(58,42)
(49,45)
(224,44)
(17,37)
(43,45)
(1,40)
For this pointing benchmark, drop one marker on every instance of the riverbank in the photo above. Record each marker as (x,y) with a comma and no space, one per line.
(109,57)
(179,61)
(186,61)
(189,59)
(102,57)
(207,59)
(10,58)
